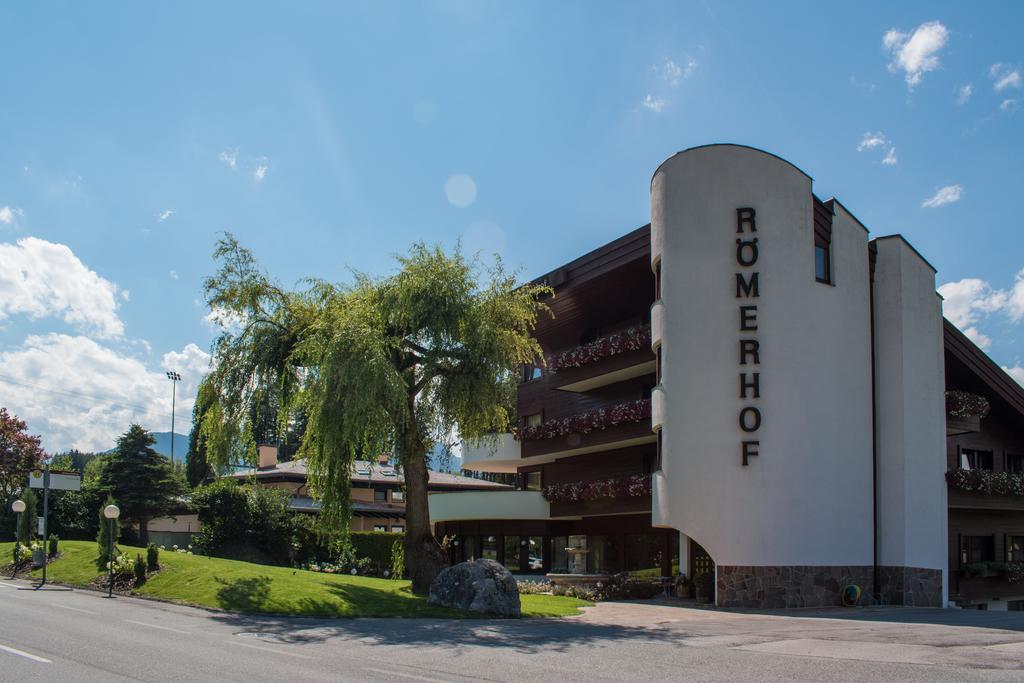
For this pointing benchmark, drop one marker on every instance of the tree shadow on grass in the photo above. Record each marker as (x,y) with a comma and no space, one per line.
(249,595)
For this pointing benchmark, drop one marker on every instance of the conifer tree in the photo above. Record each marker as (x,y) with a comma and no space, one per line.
(103,537)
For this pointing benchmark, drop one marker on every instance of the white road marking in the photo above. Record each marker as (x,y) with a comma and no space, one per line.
(271,649)
(7,585)
(26,655)
(388,672)
(162,628)
(73,609)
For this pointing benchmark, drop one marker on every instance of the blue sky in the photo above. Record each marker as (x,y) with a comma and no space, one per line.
(325,135)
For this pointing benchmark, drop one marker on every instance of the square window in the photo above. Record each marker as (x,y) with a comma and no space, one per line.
(380,495)
(380,527)
(396,529)
(1015,463)
(532,481)
(973,459)
(398,496)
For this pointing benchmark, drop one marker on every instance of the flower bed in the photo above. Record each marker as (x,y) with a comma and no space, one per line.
(581,423)
(986,481)
(624,487)
(632,339)
(964,404)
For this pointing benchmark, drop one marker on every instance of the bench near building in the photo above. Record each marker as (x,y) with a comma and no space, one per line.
(751,385)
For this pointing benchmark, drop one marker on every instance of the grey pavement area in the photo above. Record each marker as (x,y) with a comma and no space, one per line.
(82,636)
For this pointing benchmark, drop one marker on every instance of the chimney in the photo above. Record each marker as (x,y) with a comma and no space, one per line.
(383,458)
(267,456)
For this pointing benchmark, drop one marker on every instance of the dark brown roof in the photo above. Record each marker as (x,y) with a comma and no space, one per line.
(983,368)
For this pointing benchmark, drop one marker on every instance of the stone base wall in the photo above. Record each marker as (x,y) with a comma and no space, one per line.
(822,586)
(910,586)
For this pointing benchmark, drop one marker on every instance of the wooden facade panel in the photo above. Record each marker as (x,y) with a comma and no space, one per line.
(622,462)
(540,396)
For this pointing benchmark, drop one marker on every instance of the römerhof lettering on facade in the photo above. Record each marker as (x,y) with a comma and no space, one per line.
(748,291)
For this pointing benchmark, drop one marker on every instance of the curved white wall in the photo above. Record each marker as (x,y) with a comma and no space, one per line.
(806,499)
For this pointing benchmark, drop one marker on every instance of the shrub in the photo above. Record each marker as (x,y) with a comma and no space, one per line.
(140,571)
(375,546)
(152,557)
(51,550)
(27,523)
(533,587)
(397,559)
(123,566)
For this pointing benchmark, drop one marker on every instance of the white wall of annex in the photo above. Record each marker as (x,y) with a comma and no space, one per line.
(807,499)
(912,514)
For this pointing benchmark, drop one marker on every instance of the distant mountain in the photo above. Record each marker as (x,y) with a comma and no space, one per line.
(163,445)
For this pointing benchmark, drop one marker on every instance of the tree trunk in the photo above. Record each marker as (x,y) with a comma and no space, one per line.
(424,557)
(143,532)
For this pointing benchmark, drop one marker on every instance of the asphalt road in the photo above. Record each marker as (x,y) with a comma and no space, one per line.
(81,636)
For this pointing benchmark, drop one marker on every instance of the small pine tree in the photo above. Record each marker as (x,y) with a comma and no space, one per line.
(152,557)
(103,537)
(27,528)
(140,570)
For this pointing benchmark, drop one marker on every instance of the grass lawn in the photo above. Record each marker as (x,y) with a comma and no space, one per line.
(254,588)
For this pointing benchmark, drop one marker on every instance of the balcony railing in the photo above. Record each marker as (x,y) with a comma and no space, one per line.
(605,361)
(496,453)
(618,426)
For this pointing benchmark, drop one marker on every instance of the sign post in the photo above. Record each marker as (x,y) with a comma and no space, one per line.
(61,481)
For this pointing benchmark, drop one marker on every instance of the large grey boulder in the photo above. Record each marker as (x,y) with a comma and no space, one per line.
(478,586)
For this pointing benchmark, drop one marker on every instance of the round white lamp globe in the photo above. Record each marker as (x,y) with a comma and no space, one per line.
(111,512)
(18,506)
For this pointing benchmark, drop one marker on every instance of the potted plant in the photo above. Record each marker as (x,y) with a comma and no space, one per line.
(704,583)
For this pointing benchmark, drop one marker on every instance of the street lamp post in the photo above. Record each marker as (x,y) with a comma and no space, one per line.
(111,512)
(175,378)
(17,507)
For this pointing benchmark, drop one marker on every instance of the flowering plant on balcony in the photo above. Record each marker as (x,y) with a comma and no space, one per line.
(581,423)
(632,339)
(964,404)
(624,487)
(986,481)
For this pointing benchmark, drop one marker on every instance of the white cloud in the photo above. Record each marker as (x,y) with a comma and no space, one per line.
(229,157)
(1016,372)
(872,140)
(460,190)
(944,195)
(890,157)
(260,172)
(8,214)
(164,215)
(78,393)
(963,93)
(173,274)
(675,73)
(863,86)
(1004,76)
(219,320)
(40,279)
(915,53)
(655,104)
(1008,105)
(966,301)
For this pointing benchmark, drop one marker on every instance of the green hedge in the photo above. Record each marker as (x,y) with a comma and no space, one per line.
(375,545)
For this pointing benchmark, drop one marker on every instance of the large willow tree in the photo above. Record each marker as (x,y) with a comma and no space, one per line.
(393,363)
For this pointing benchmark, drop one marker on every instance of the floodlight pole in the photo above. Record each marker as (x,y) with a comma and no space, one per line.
(175,378)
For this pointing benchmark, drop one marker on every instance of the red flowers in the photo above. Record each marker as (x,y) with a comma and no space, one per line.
(603,418)
(626,487)
(632,339)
